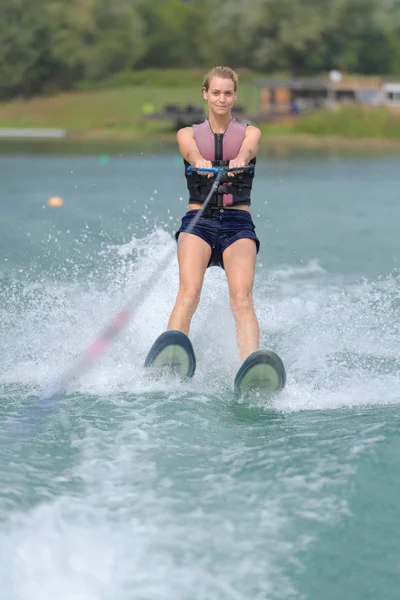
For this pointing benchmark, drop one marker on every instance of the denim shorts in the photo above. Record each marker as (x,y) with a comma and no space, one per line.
(223,227)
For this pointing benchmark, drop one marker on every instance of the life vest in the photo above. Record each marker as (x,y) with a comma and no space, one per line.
(220,148)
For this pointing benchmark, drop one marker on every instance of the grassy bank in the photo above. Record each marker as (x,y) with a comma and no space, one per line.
(116,111)
(352,122)
(348,127)
(112,110)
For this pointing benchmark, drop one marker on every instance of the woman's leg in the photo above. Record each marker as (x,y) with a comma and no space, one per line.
(239,263)
(193,257)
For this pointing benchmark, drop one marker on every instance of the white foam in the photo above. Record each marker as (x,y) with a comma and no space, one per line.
(337,338)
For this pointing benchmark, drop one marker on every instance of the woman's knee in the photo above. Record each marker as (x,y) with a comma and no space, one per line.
(189,295)
(241,301)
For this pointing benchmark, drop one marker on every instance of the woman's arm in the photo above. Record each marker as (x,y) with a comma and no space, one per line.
(249,147)
(189,150)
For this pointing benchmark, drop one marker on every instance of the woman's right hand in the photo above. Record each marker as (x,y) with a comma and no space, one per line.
(203,164)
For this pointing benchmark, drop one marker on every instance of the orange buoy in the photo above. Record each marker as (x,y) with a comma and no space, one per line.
(55,201)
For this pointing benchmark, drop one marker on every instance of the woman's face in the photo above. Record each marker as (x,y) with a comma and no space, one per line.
(220,95)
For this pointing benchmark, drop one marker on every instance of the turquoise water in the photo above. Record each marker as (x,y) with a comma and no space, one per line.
(135,488)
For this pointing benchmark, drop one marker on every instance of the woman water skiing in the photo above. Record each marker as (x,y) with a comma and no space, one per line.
(225,235)
(222,234)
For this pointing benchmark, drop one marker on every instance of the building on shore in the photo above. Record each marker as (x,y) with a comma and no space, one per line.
(283,97)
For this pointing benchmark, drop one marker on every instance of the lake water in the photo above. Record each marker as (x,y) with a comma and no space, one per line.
(143,489)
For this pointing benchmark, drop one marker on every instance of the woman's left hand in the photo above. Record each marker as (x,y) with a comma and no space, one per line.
(236,163)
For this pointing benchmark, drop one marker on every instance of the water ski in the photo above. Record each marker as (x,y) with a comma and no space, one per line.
(173,350)
(263,370)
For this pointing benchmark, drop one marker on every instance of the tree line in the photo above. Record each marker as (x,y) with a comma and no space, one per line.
(50,45)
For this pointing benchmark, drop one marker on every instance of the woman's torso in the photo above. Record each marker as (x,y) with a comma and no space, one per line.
(232,140)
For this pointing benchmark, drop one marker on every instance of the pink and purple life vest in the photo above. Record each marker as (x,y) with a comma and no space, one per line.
(220,148)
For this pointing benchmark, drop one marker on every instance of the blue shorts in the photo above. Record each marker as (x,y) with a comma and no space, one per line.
(223,227)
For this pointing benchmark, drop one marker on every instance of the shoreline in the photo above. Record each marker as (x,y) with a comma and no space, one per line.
(280,142)
(308,141)
(292,140)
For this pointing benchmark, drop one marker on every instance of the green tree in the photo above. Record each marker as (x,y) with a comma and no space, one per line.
(95,38)
(308,36)
(176,32)
(53,44)
(271,34)
(26,60)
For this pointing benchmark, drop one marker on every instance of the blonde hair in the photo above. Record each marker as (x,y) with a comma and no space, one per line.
(224,73)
